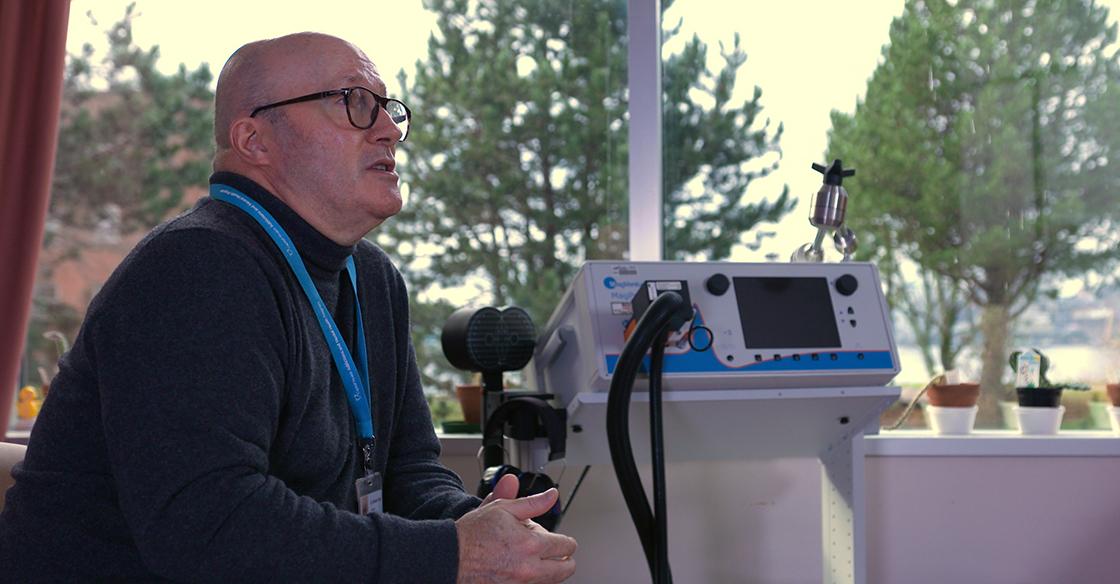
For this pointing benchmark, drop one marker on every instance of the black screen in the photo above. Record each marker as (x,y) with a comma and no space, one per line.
(794,313)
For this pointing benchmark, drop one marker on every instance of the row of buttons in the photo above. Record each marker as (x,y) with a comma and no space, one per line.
(813,356)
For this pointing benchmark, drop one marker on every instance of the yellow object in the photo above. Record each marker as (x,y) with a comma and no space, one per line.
(29,403)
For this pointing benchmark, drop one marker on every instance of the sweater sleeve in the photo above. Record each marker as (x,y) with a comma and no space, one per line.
(417,485)
(191,378)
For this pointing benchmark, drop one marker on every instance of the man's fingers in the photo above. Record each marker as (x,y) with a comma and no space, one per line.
(556,570)
(557,546)
(507,487)
(532,506)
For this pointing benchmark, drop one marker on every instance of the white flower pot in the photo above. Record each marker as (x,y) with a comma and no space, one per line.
(951,421)
(1114,416)
(1040,421)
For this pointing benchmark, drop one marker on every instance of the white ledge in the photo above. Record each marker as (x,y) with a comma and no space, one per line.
(993,443)
(925,443)
(459,444)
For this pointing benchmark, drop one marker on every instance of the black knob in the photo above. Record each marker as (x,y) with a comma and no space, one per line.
(717,284)
(847,284)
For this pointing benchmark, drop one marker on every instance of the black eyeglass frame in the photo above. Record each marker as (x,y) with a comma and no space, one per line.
(345,92)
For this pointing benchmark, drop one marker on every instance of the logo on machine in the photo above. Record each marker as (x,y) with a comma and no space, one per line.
(624,270)
(610,283)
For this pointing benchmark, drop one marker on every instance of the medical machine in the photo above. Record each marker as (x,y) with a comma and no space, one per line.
(750,361)
(717,361)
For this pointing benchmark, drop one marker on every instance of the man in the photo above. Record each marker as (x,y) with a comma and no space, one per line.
(213,421)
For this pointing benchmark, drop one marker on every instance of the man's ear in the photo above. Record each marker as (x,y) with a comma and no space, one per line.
(249,139)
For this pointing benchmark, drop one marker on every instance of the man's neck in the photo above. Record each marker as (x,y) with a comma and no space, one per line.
(301,205)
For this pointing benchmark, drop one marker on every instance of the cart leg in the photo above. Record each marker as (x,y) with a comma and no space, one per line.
(842,511)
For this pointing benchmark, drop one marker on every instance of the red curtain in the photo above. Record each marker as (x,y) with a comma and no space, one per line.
(32,56)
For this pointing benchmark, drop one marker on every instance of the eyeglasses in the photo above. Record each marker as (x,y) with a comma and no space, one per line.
(362,107)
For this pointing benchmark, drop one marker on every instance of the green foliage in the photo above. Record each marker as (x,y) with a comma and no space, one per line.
(40,352)
(427,320)
(131,141)
(988,146)
(131,138)
(444,408)
(1043,369)
(712,147)
(517,166)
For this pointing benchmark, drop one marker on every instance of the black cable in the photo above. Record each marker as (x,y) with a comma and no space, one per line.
(618,440)
(657,451)
(663,313)
(572,495)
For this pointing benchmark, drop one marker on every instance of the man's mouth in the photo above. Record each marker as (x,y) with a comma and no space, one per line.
(383,165)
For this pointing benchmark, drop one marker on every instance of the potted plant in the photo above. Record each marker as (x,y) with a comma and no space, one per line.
(1113,390)
(1039,411)
(952,404)
(470,399)
(29,399)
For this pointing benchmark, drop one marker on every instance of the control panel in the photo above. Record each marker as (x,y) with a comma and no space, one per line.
(756,325)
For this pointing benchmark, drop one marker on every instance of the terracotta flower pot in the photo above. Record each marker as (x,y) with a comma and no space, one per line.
(470,399)
(1114,394)
(959,395)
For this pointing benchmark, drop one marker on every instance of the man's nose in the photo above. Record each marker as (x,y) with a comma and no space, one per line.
(384,130)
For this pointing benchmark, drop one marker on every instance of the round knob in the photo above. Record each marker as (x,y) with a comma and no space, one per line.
(847,284)
(717,284)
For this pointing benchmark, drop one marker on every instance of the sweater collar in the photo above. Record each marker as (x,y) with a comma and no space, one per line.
(315,248)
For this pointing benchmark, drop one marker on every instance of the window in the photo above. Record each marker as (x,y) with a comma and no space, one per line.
(514,173)
(985,144)
(979,137)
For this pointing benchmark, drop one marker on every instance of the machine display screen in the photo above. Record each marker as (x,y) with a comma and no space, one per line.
(794,313)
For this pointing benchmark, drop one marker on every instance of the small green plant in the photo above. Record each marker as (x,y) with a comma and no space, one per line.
(61,346)
(444,408)
(1044,366)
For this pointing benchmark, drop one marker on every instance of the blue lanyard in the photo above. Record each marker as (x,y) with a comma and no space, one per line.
(354,378)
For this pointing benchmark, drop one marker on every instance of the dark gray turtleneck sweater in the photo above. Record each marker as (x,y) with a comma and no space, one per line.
(199,431)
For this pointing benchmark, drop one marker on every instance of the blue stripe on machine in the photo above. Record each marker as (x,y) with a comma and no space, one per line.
(706,362)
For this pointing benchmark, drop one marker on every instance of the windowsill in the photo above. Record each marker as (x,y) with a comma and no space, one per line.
(459,444)
(889,443)
(993,443)
(17,436)
(925,443)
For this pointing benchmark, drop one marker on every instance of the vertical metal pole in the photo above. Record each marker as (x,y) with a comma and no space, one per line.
(644,63)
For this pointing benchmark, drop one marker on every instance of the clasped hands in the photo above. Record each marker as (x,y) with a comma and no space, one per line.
(500,543)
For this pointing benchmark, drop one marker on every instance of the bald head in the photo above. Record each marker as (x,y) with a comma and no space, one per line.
(241,84)
(258,73)
(309,152)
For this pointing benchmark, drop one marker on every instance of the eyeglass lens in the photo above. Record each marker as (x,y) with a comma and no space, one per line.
(362,107)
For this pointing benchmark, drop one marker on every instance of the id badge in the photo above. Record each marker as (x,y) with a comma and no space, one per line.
(369,493)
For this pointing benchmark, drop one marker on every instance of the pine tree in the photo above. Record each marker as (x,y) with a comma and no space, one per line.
(517,165)
(988,144)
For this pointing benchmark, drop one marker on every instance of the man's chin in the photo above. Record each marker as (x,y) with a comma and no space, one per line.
(386,207)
